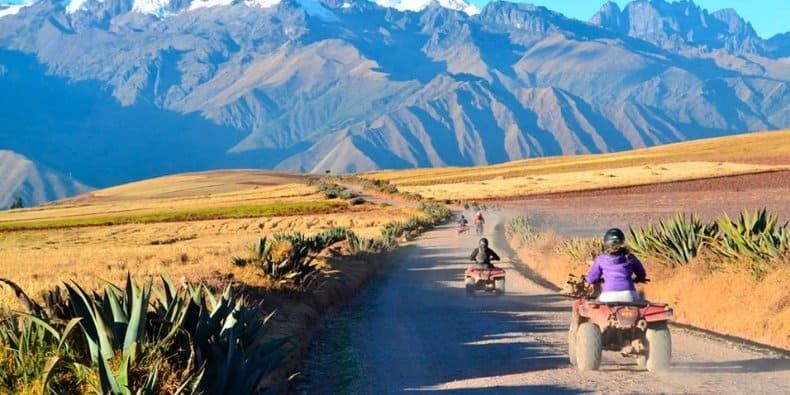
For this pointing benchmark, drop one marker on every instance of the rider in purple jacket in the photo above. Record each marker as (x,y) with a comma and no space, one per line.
(616,266)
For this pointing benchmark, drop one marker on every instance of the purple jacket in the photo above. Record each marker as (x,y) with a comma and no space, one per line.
(616,271)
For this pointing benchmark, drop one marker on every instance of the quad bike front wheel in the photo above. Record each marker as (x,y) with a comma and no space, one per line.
(659,348)
(588,347)
(469,283)
(499,286)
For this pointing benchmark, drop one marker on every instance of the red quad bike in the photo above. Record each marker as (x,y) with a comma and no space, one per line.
(462,229)
(635,329)
(483,278)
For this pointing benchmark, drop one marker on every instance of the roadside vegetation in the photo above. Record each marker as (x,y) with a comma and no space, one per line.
(219,330)
(383,186)
(755,241)
(701,268)
(137,339)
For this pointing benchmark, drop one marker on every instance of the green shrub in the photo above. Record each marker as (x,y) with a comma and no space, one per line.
(677,240)
(383,186)
(334,191)
(581,250)
(758,238)
(286,256)
(435,211)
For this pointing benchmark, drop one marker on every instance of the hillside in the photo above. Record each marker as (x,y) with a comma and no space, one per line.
(33,183)
(708,158)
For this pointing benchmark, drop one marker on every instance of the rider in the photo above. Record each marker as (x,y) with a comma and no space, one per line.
(616,266)
(483,255)
(479,218)
(462,222)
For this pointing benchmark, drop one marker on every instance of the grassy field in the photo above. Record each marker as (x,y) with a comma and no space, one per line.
(190,226)
(743,154)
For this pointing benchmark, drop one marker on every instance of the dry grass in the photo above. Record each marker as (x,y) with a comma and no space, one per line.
(749,153)
(42,258)
(585,180)
(38,259)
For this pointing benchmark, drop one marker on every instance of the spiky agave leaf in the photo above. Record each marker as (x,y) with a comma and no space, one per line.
(94,327)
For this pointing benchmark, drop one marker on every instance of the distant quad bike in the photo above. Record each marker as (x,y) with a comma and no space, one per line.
(484,278)
(462,229)
(635,329)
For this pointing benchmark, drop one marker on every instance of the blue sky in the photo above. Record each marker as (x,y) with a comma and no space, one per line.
(768,17)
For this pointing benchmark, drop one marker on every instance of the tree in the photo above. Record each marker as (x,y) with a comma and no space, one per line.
(18,203)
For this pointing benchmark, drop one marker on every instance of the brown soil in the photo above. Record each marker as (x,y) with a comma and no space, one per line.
(592,212)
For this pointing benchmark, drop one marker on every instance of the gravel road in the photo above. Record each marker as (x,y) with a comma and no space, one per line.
(414,330)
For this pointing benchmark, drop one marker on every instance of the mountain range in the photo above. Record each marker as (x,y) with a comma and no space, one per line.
(117,90)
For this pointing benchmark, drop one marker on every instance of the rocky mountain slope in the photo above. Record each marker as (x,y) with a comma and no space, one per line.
(134,88)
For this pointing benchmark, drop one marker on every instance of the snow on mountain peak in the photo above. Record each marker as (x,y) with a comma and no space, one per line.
(158,8)
(76,5)
(209,3)
(419,5)
(10,9)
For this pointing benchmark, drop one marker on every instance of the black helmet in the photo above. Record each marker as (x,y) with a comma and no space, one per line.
(613,238)
(484,242)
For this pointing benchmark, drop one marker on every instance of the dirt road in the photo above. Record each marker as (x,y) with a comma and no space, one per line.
(414,330)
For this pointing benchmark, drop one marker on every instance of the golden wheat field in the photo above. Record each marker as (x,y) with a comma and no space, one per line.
(37,259)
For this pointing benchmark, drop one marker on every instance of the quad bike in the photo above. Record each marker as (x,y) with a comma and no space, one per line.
(462,229)
(484,278)
(635,329)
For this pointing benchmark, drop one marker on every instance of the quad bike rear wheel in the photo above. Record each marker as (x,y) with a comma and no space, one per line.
(659,348)
(588,347)
(572,343)
(499,286)
(470,286)
(641,361)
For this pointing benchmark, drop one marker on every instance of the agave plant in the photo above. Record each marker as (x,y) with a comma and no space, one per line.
(758,238)
(28,345)
(286,256)
(522,228)
(677,240)
(581,250)
(214,344)
(358,244)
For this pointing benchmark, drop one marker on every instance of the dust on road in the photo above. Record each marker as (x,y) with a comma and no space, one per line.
(414,330)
